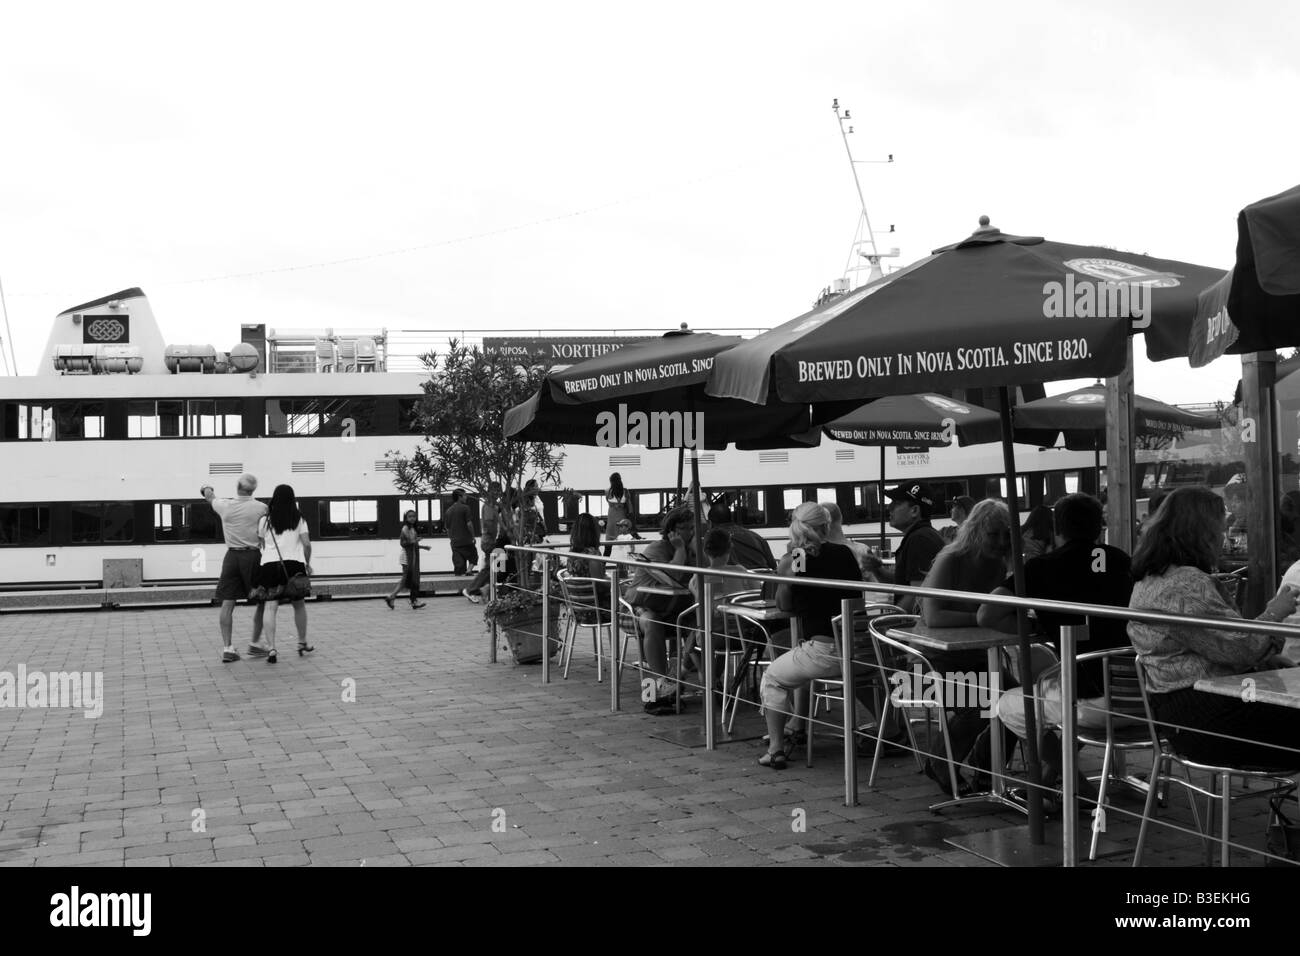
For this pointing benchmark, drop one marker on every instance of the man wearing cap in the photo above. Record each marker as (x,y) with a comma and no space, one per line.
(239,520)
(910,508)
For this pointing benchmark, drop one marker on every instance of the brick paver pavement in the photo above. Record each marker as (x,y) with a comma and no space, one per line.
(441,758)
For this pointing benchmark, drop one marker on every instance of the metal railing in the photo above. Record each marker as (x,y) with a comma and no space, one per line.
(853,592)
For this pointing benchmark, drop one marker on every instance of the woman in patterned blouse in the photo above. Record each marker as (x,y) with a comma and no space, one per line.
(1174,568)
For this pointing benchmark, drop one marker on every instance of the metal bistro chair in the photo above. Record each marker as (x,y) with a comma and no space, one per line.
(587,611)
(1126,725)
(739,654)
(1220,786)
(898,663)
(867,674)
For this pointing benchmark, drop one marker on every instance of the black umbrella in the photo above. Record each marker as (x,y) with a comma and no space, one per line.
(1256,306)
(992,309)
(1080,417)
(651,393)
(924,420)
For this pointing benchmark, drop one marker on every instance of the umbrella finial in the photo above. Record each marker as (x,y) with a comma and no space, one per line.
(684,327)
(984,220)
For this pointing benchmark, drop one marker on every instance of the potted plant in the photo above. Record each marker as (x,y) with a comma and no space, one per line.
(518,614)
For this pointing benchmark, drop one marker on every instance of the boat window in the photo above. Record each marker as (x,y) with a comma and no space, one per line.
(866,503)
(428,514)
(214,418)
(1022,495)
(71,421)
(158,419)
(1071,482)
(23,421)
(349,518)
(184,521)
(324,417)
(103,521)
(24,524)
(791,498)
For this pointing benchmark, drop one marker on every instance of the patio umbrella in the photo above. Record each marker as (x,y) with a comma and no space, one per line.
(1080,415)
(1256,306)
(656,386)
(993,309)
(926,420)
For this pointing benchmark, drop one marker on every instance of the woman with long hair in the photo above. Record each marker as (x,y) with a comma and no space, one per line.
(975,561)
(409,540)
(1038,532)
(286,551)
(785,684)
(584,538)
(618,502)
(1174,567)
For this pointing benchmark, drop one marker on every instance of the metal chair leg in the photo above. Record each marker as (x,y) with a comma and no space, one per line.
(1148,811)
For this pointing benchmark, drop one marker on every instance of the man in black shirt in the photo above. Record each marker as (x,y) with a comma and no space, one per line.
(456,520)
(1078,570)
(910,508)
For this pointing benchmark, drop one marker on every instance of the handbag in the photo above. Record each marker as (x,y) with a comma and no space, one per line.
(295,588)
(1282,838)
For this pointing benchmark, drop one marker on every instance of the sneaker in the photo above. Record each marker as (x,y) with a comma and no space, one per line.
(473,598)
(256,650)
(229,657)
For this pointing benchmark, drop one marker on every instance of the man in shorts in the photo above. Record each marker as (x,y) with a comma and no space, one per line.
(239,523)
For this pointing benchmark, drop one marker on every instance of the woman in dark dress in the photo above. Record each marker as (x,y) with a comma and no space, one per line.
(785,685)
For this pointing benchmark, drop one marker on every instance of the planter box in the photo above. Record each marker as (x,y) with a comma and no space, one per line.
(521,635)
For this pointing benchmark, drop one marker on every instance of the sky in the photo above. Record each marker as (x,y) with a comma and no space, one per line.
(597,166)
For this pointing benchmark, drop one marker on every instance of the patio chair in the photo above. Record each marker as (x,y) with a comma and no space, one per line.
(588,610)
(898,662)
(867,675)
(326,356)
(1276,784)
(1126,727)
(739,654)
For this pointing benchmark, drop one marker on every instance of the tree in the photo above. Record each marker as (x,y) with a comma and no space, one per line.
(465,400)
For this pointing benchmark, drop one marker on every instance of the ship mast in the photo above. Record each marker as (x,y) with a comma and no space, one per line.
(864,253)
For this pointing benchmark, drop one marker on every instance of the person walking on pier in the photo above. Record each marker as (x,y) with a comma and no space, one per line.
(409,539)
(239,518)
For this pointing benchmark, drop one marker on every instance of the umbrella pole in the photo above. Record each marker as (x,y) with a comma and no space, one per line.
(1096,463)
(1030,742)
(882,499)
(681,461)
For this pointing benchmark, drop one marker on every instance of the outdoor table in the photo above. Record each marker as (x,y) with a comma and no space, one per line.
(948,640)
(1009,847)
(1280,687)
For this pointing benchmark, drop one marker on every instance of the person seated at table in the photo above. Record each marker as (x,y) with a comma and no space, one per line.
(748,548)
(959,511)
(785,683)
(872,568)
(976,561)
(717,550)
(1082,571)
(1174,566)
(1036,532)
(909,511)
(584,538)
(658,613)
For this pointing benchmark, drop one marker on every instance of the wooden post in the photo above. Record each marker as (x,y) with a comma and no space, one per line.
(1120,523)
(1258,373)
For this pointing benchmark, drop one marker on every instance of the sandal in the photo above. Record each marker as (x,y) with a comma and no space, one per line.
(305,648)
(774,760)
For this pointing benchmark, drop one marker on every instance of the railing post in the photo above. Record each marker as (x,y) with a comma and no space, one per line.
(546,618)
(1069,753)
(615,671)
(492,596)
(850,706)
(706,609)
